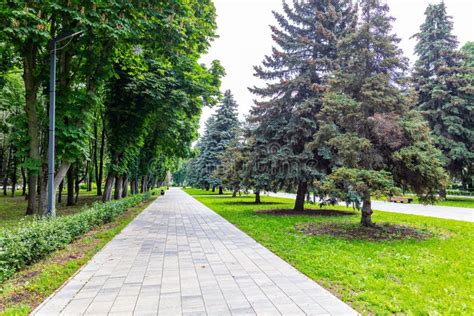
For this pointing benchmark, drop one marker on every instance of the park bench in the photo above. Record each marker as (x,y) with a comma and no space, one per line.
(399,199)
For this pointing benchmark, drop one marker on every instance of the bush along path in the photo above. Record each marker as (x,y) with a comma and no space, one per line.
(34,240)
(26,289)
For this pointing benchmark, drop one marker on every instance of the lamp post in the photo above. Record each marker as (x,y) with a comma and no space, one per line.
(52,121)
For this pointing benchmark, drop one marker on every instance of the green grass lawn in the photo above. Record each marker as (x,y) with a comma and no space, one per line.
(414,277)
(12,209)
(456,201)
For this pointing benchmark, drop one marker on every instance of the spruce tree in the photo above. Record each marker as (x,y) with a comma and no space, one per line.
(372,138)
(445,93)
(220,130)
(296,72)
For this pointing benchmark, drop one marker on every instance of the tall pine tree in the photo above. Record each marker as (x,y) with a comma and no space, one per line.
(220,131)
(374,141)
(445,93)
(296,72)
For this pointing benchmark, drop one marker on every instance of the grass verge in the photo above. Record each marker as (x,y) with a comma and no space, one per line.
(29,287)
(408,277)
(455,201)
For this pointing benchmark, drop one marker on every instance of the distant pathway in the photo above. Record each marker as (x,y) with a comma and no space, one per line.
(448,212)
(179,257)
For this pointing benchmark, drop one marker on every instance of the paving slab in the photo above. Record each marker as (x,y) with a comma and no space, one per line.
(178,257)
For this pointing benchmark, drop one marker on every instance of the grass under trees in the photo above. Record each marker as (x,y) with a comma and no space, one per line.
(430,276)
(12,209)
(455,201)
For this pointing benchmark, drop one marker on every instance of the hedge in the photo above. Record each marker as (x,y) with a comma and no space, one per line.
(34,240)
(460,192)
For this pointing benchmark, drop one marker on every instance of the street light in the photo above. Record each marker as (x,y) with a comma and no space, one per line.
(52,121)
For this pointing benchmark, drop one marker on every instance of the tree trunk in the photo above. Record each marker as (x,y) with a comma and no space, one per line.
(207,187)
(71,174)
(23,180)
(43,186)
(32,179)
(109,184)
(213,188)
(234,192)
(257,197)
(132,187)
(442,194)
(89,180)
(31,90)
(101,161)
(118,188)
(60,193)
(300,196)
(60,174)
(125,187)
(7,171)
(221,191)
(366,216)
(77,186)
(14,177)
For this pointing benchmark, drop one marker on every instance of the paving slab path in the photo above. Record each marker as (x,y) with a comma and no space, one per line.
(178,257)
(446,212)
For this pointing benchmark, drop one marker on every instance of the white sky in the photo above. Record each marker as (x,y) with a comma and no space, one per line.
(245,37)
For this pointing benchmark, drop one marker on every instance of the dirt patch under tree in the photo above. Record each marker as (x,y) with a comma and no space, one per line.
(307,212)
(381,231)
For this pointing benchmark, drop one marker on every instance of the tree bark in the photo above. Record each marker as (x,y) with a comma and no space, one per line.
(31,91)
(71,174)
(442,194)
(125,187)
(23,180)
(257,197)
(221,191)
(132,187)
(234,192)
(109,184)
(366,216)
(43,189)
(60,193)
(60,174)
(300,196)
(7,171)
(118,188)
(101,161)
(213,188)
(77,186)
(14,176)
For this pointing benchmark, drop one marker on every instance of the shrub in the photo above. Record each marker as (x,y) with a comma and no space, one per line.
(34,240)
(460,192)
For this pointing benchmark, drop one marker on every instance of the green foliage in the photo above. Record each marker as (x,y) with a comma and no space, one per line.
(343,182)
(367,132)
(443,80)
(221,131)
(283,118)
(33,241)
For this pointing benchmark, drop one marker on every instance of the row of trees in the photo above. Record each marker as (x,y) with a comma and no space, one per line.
(129,94)
(340,115)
